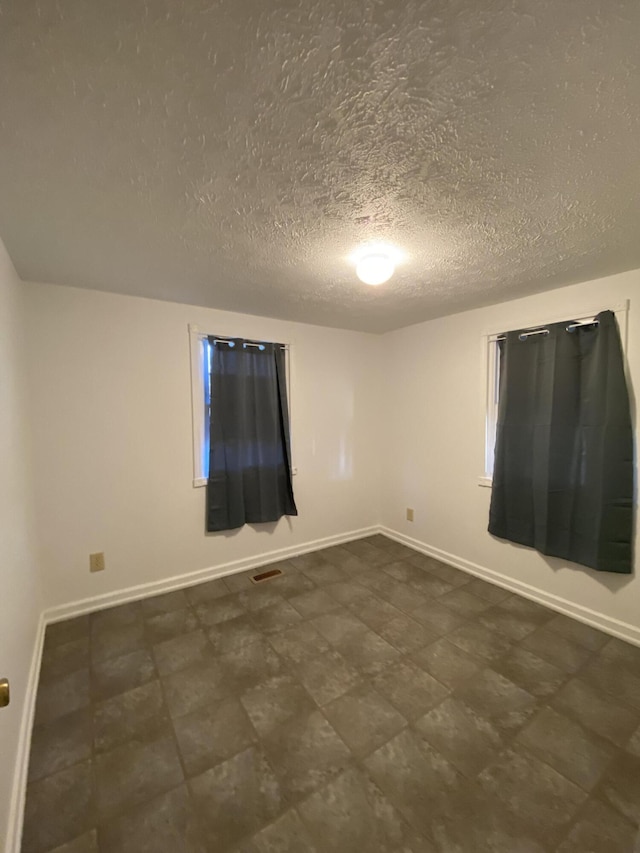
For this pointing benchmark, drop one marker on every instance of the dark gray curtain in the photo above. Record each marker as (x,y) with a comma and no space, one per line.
(563,477)
(249,447)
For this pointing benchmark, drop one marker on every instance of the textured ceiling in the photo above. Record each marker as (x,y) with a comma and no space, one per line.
(232,153)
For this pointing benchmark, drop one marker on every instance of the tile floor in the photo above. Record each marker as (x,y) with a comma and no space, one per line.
(370,699)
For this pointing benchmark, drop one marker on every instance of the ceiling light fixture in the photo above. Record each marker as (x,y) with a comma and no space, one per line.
(376,263)
(375,269)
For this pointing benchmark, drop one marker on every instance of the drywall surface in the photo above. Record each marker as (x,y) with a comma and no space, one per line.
(433,432)
(19,591)
(112,430)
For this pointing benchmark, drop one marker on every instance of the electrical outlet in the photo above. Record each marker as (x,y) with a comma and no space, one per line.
(409,514)
(96,562)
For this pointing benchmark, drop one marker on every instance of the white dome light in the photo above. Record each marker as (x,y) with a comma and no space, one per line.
(375,269)
(375,263)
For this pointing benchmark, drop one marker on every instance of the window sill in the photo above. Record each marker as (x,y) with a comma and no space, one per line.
(485,481)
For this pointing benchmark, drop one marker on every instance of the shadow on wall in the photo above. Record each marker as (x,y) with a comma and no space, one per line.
(611,581)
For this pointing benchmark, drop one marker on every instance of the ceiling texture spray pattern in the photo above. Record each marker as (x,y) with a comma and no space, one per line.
(233,153)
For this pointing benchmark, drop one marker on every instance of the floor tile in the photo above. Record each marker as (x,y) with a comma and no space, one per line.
(352,815)
(527,609)
(633,744)
(313,603)
(446,663)
(573,751)
(292,583)
(274,701)
(327,676)
(139,713)
(437,618)
(247,666)
(212,734)
(306,753)
(441,696)
(191,688)
(506,622)
(480,642)
(463,602)
(287,834)
(364,719)
(488,591)
(338,625)
(620,786)
(64,741)
(325,573)
(165,823)
(583,635)
(409,688)
(620,652)
(61,696)
(430,586)
(236,798)
(367,652)
(117,675)
(535,793)
(533,674)
(505,705)
(58,808)
(446,573)
(206,591)
(369,553)
(235,633)
(347,561)
(404,571)
(299,643)
(347,592)
(473,822)
(400,595)
(406,634)
(114,641)
(86,843)
(467,740)
(620,680)
(181,652)
(260,596)
(165,626)
(276,617)
(558,650)
(239,581)
(116,617)
(215,610)
(60,633)
(411,774)
(129,775)
(599,829)
(176,600)
(597,711)
(374,612)
(65,658)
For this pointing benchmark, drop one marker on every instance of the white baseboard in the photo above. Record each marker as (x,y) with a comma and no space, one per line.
(134,593)
(615,627)
(19,788)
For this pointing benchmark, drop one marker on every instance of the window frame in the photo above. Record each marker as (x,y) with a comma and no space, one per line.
(491,364)
(198,413)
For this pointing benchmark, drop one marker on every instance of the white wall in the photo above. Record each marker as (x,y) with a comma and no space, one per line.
(112,436)
(433,436)
(19,591)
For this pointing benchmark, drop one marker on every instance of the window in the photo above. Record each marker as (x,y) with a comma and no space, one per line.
(491,362)
(201,401)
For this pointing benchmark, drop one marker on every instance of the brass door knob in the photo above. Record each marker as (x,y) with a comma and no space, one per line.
(4,692)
